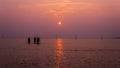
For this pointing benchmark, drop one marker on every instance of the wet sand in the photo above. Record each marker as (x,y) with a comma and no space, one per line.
(60,53)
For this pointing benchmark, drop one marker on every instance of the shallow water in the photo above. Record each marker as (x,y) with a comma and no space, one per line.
(60,53)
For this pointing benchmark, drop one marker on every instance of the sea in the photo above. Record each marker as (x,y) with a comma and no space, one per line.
(60,53)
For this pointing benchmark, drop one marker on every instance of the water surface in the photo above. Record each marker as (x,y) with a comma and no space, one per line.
(60,53)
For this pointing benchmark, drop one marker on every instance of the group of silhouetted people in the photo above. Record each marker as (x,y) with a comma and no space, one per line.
(36,40)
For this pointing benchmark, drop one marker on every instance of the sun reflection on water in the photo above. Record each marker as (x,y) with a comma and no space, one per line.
(59,56)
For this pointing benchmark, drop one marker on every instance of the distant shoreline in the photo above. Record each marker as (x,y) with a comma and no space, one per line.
(59,37)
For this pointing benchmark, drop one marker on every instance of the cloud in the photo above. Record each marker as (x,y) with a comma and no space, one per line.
(60,8)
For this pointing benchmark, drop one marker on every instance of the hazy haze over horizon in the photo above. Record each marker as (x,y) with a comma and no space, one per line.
(90,18)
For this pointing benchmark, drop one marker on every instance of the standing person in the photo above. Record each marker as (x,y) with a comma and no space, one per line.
(28,40)
(38,40)
(35,40)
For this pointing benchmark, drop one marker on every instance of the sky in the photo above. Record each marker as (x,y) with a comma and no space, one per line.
(84,18)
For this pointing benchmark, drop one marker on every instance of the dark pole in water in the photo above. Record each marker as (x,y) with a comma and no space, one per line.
(56,36)
(75,37)
(101,37)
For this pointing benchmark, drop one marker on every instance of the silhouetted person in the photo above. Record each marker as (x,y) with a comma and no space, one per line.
(28,40)
(38,40)
(35,40)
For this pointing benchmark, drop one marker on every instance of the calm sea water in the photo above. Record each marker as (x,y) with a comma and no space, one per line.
(60,53)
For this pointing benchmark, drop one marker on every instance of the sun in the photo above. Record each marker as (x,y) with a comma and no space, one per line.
(59,23)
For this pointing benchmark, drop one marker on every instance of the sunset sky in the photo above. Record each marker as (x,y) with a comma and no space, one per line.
(85,18)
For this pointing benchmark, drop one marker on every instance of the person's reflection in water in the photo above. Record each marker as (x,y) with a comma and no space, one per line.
(59,58)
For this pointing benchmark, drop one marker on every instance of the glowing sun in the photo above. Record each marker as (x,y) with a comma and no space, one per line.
(59,23)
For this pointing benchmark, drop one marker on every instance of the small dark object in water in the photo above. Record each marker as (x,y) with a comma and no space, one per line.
(28,40)
(35,40)
(38,40)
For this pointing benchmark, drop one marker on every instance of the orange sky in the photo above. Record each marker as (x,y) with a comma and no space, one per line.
(41,17)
